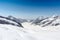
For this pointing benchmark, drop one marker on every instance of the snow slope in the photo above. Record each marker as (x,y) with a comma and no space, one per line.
(29,32)
(45,33)
(9,32)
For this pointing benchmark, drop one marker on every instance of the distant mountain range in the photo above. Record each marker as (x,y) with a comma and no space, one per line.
(53,21)
(41,28)
(41,21)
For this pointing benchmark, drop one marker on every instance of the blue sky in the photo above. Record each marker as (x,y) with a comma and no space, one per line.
(29,8)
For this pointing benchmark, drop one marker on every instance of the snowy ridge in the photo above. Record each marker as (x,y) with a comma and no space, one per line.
(30,31)
(6,20)
(47,21)
(45,24)
(17,19)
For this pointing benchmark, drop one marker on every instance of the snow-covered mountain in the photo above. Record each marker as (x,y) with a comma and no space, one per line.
(18,19)
(46,23)
(53,21)
(47,28)
(6,20)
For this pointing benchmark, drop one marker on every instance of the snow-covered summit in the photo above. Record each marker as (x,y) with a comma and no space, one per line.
(6,20)
(53,20)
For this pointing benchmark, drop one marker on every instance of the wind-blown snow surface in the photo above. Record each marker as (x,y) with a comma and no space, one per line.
(29,32)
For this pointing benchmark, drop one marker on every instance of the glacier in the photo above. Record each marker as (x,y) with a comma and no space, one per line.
(30,31)
(9,32)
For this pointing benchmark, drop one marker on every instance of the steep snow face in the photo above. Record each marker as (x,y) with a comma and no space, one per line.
(6,20)
(54,20)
